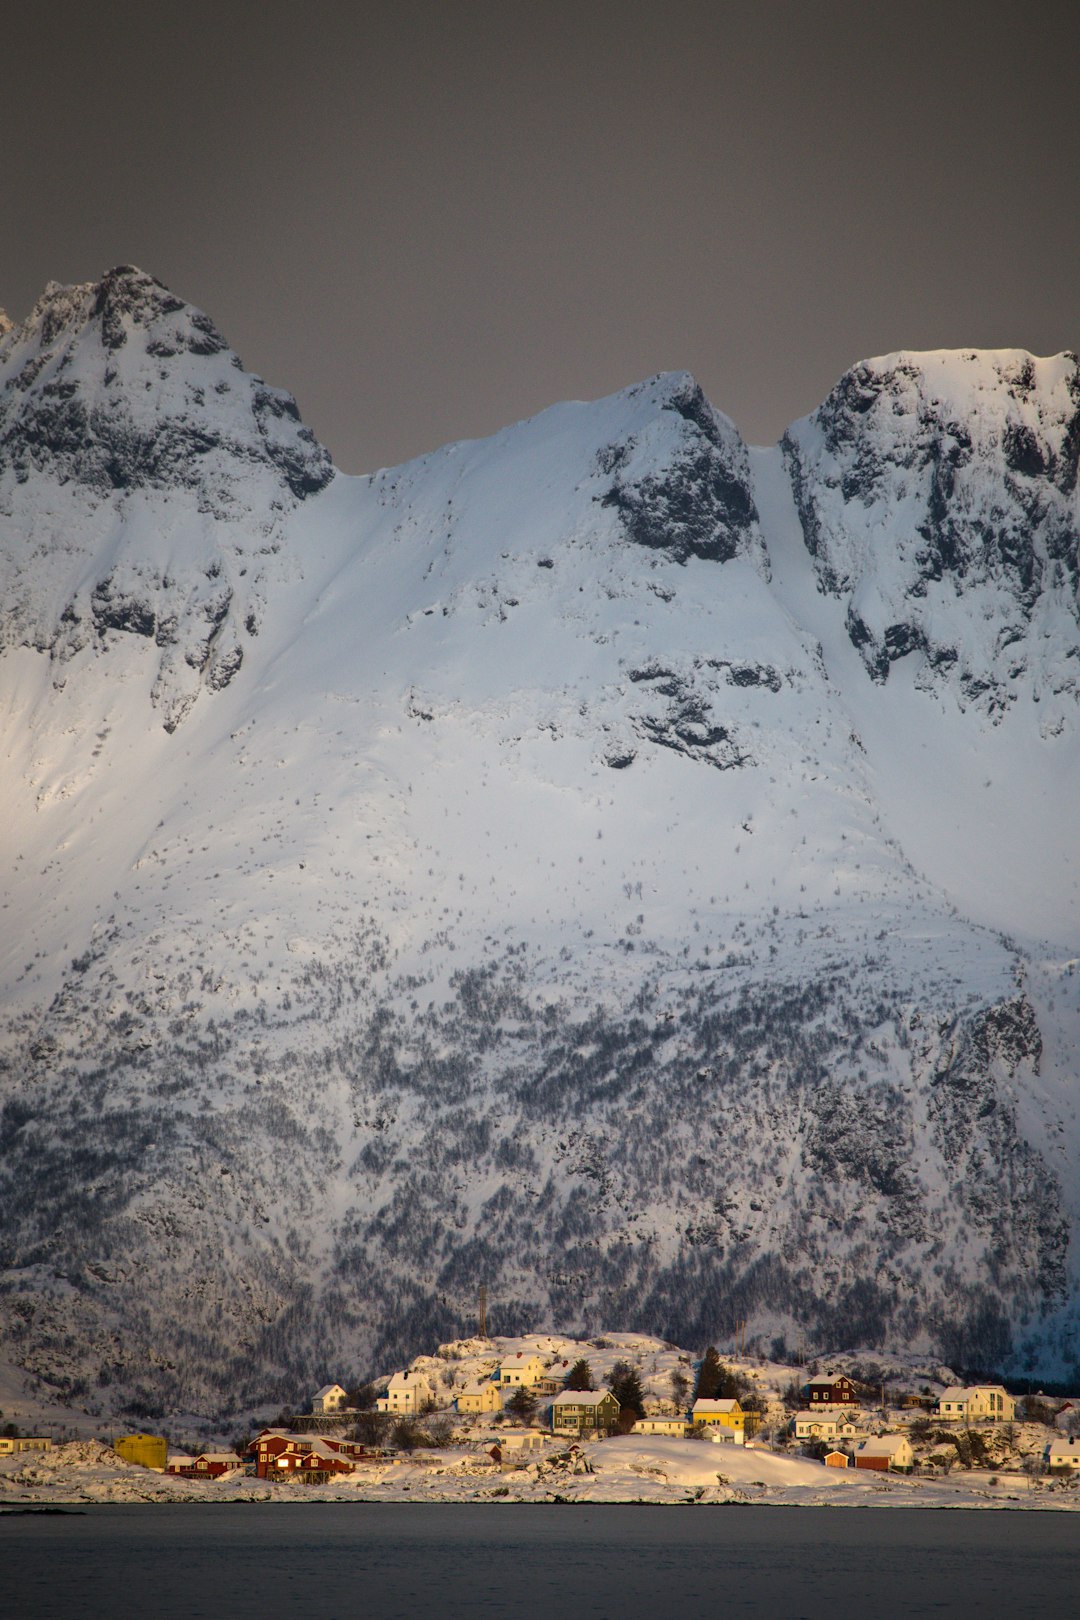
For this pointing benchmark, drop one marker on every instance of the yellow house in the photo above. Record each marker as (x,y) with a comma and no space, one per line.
(728,1413)
(148,1450)
(991,1402)
(481,1395)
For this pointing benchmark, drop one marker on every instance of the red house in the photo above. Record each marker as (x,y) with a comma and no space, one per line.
(212,1464)
(835,1390)
(279,1455)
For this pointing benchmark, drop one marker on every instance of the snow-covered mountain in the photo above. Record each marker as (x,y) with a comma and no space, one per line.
(544,865)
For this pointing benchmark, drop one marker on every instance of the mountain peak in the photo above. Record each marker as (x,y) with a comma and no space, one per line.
(119,385)
(967,461)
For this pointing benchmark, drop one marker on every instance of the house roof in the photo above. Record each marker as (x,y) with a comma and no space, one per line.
(883,1446)
(582,1397)
(809,1414)
(957,1393)
(327,1389)
(828,1378)
(477,1386)
(218,1456)
(716,1406)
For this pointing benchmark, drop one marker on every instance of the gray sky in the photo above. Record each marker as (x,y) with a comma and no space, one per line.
(428,220)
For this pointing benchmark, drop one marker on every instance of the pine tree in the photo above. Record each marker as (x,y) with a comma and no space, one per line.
(522,1403)
(709,1377)
(579,1376)
(624,1383)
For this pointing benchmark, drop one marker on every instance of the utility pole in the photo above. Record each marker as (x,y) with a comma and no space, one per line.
(481,1323)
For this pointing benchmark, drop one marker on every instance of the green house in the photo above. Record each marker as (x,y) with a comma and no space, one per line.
(578,1409)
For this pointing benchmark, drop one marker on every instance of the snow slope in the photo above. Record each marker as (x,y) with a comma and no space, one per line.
(510,867)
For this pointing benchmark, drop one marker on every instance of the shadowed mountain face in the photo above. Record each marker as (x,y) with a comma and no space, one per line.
(600,861)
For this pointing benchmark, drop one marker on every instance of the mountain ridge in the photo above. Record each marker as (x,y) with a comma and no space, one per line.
(553,892)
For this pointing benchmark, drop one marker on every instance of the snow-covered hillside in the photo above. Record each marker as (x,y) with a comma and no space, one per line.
(513,868)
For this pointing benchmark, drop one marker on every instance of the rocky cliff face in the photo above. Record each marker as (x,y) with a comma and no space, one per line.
(481,872)
(133,446)
(938,497)
(700,503)
(119,385)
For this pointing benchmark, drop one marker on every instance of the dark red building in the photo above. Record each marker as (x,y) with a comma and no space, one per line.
(835,1390)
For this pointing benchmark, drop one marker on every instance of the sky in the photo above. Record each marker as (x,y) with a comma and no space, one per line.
(429,220)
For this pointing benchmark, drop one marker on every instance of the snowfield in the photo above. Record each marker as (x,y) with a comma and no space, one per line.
(603,862)
(675,1472)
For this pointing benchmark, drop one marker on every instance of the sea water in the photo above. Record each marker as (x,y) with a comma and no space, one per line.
(389,1561)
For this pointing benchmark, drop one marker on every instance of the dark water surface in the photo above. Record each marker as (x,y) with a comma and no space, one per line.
(377,1561)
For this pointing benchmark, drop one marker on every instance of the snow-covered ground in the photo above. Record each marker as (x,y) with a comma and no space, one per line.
(624,1469)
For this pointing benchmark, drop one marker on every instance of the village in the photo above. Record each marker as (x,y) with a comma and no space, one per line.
(548,1418)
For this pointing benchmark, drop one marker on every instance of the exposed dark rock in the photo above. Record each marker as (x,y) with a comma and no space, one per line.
(88,432)
(119,610)
(981,497)
(701,504)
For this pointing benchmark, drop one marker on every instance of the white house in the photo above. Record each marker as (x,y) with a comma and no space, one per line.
(406,1392)
(520,1444)
(973,1403)
(521,1368)
(721,1435)
(331,1398)
(657,1424)
(1063,1453)
(823,1424)
(888,1451)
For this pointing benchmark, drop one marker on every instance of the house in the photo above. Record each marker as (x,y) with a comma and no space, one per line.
(554,1378)
(661,1425)
(823,1424)
(584,1409)
(974,1403)
(521,1368)
(836,1459)
(888,1452)
(480,1395)
(279,1455)
(1063,1455)
(212,1464)
(721,1435)
(918,1403)
(321,1457)
(13,1444)
(178,1462)
(406,1392)
(833,1390)
(331,1398)
(520,1445)
(729,1413)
